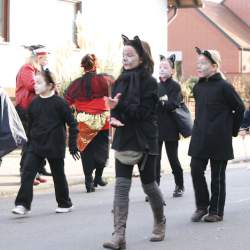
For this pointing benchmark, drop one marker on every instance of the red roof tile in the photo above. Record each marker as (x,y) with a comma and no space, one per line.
(230,24)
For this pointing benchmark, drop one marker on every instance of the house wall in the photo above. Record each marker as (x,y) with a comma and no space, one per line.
(241,8)
(12,57)
(103,26)
(246,61)
(49,22)
(190,29)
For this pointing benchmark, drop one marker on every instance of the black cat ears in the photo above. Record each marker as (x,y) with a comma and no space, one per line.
(205,53)
(171,59)
(135,43)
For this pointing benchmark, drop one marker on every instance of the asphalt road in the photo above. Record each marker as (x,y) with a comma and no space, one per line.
(91,221)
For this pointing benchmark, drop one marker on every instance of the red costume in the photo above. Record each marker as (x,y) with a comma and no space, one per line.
(25,82)
(87,95)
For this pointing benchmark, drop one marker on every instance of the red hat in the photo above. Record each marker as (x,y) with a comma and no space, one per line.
(37,50)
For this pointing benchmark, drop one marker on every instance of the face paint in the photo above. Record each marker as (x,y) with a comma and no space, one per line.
(40,86)
(130,58)
(165,70)
(204,67)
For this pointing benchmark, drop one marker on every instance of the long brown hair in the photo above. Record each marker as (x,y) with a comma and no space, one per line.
(147,60)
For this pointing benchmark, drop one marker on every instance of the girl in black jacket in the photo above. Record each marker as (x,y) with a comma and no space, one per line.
(170,98)
(133,103)
(48,115)
(218,114)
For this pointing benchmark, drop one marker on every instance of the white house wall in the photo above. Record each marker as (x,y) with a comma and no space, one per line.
(47,22)
(105,21)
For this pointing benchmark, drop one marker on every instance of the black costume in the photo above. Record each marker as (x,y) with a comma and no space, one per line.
(47,118)
(136,109)
(168,130)
(218,115)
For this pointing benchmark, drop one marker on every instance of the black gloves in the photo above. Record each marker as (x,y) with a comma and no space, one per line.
(73,148)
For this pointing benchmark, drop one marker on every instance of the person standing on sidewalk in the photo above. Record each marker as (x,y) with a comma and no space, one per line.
(244,128)
(218,114)
(25,93)
(170,98)
(48,115)
(87,95)
(133,104)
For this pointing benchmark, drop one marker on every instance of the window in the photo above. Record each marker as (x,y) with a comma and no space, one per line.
(4,19)
(69,8)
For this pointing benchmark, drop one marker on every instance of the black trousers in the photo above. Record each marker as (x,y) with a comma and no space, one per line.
(24,119)
(218,185)
(147,175)
(95,155)
(31,165)
(172,153)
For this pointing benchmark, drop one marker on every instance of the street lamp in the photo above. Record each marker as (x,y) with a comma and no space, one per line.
(184,3)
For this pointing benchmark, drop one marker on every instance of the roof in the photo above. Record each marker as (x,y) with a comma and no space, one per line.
(228,23)
(184,3)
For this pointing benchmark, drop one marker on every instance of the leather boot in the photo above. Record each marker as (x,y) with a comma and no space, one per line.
(157,204)
(98,178)
(89,184)
(118,240)
(120,210)
(158,233)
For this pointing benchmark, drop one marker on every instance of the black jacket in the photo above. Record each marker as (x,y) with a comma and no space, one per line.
(218,114)
(168,130)
(47,119)
(140,132)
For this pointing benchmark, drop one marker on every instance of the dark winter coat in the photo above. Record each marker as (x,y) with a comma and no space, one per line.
(47,119)
(140,132)
(218,114)
(168,130)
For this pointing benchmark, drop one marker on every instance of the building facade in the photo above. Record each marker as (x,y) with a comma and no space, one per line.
(215,26)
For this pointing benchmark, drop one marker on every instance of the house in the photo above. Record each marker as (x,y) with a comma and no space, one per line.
(223,26)
(52,23)
(48,22)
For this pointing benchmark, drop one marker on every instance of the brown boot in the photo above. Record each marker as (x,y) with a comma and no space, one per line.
(157,204)
(121,204)
(118,240)
(159,230)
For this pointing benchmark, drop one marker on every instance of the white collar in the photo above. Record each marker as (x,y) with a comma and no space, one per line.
(51,94)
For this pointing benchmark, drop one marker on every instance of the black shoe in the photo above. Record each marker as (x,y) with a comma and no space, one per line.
(44,172)
(90,189)
(178,192)
(213,218)
(198,214)
(100,182)
(146,199)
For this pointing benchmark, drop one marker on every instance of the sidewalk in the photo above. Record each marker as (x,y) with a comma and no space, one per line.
(10,179)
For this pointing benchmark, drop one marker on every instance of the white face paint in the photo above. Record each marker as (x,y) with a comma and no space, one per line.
(40,86)
(165,70)
(130,58)
(204,67)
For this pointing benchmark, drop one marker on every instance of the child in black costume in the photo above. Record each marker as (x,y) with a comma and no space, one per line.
(47,116)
